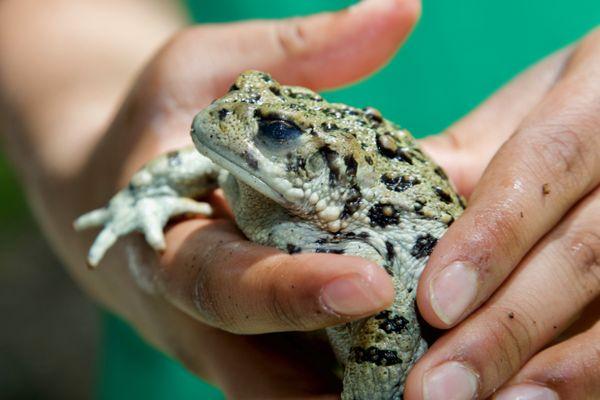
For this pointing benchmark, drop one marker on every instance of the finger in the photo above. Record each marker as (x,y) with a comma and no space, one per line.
(217,276)
(567,371)
(551,162)
(92,219)
(556,281)
(466,147)
(319,51)
(199,64)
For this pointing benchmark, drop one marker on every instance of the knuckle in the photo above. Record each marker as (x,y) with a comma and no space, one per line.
(453,139)
(290,37)
(561,150)
(583,247)
(497,231)
(512,331)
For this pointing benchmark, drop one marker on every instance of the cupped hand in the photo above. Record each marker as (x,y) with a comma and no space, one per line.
(522,264)
(211,282)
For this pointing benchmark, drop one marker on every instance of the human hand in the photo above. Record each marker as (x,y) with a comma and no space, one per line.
(211,280)
(523,262)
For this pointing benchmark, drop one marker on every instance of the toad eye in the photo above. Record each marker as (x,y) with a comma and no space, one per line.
(277,130)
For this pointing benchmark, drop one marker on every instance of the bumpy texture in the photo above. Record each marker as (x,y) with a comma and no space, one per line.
(305,175)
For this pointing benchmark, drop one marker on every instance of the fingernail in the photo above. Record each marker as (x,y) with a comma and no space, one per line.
(452,290)
(358,294)
(450,381)
(527,392)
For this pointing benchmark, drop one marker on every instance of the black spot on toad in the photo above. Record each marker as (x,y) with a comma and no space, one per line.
(423,246)
(443,195)
(399,183)
(383,215)
(375,356)
(391,323)
(293,249)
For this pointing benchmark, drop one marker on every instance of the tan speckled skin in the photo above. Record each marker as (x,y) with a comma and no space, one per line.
(352,183)
(304,175)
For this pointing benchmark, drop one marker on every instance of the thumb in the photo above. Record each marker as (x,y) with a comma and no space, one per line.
(465,149)
(320,51)
(199,64)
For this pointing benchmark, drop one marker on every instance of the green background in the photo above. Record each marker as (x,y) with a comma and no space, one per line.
(460,52)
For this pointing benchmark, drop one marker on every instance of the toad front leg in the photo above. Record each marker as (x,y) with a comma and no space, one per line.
(163,188)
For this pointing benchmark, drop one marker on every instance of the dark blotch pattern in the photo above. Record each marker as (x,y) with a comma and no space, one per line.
(391,323)
(399,183)
(390,252)
(440,172)
(369,160)
(375,356)
(383,215)
(295,164)
(255,98)
(223,112)
(443,195)
(423,246)
(275,90)
(332,112)
(351,166)
(334,172)
(418,154)
(293,249)
(304,96)
(331,251)
(265,77)
(395,153)
(350,111)
(329,126)
(403,155)
(418,205)
(352,203)
(373,114)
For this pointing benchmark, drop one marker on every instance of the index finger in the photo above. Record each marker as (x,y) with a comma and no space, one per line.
(550,163)
(213,273)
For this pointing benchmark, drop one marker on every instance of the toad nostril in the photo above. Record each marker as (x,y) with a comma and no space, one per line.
(223,113)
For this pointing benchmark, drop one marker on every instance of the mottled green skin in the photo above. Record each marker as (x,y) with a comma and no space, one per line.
(351,183)
(346,181)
